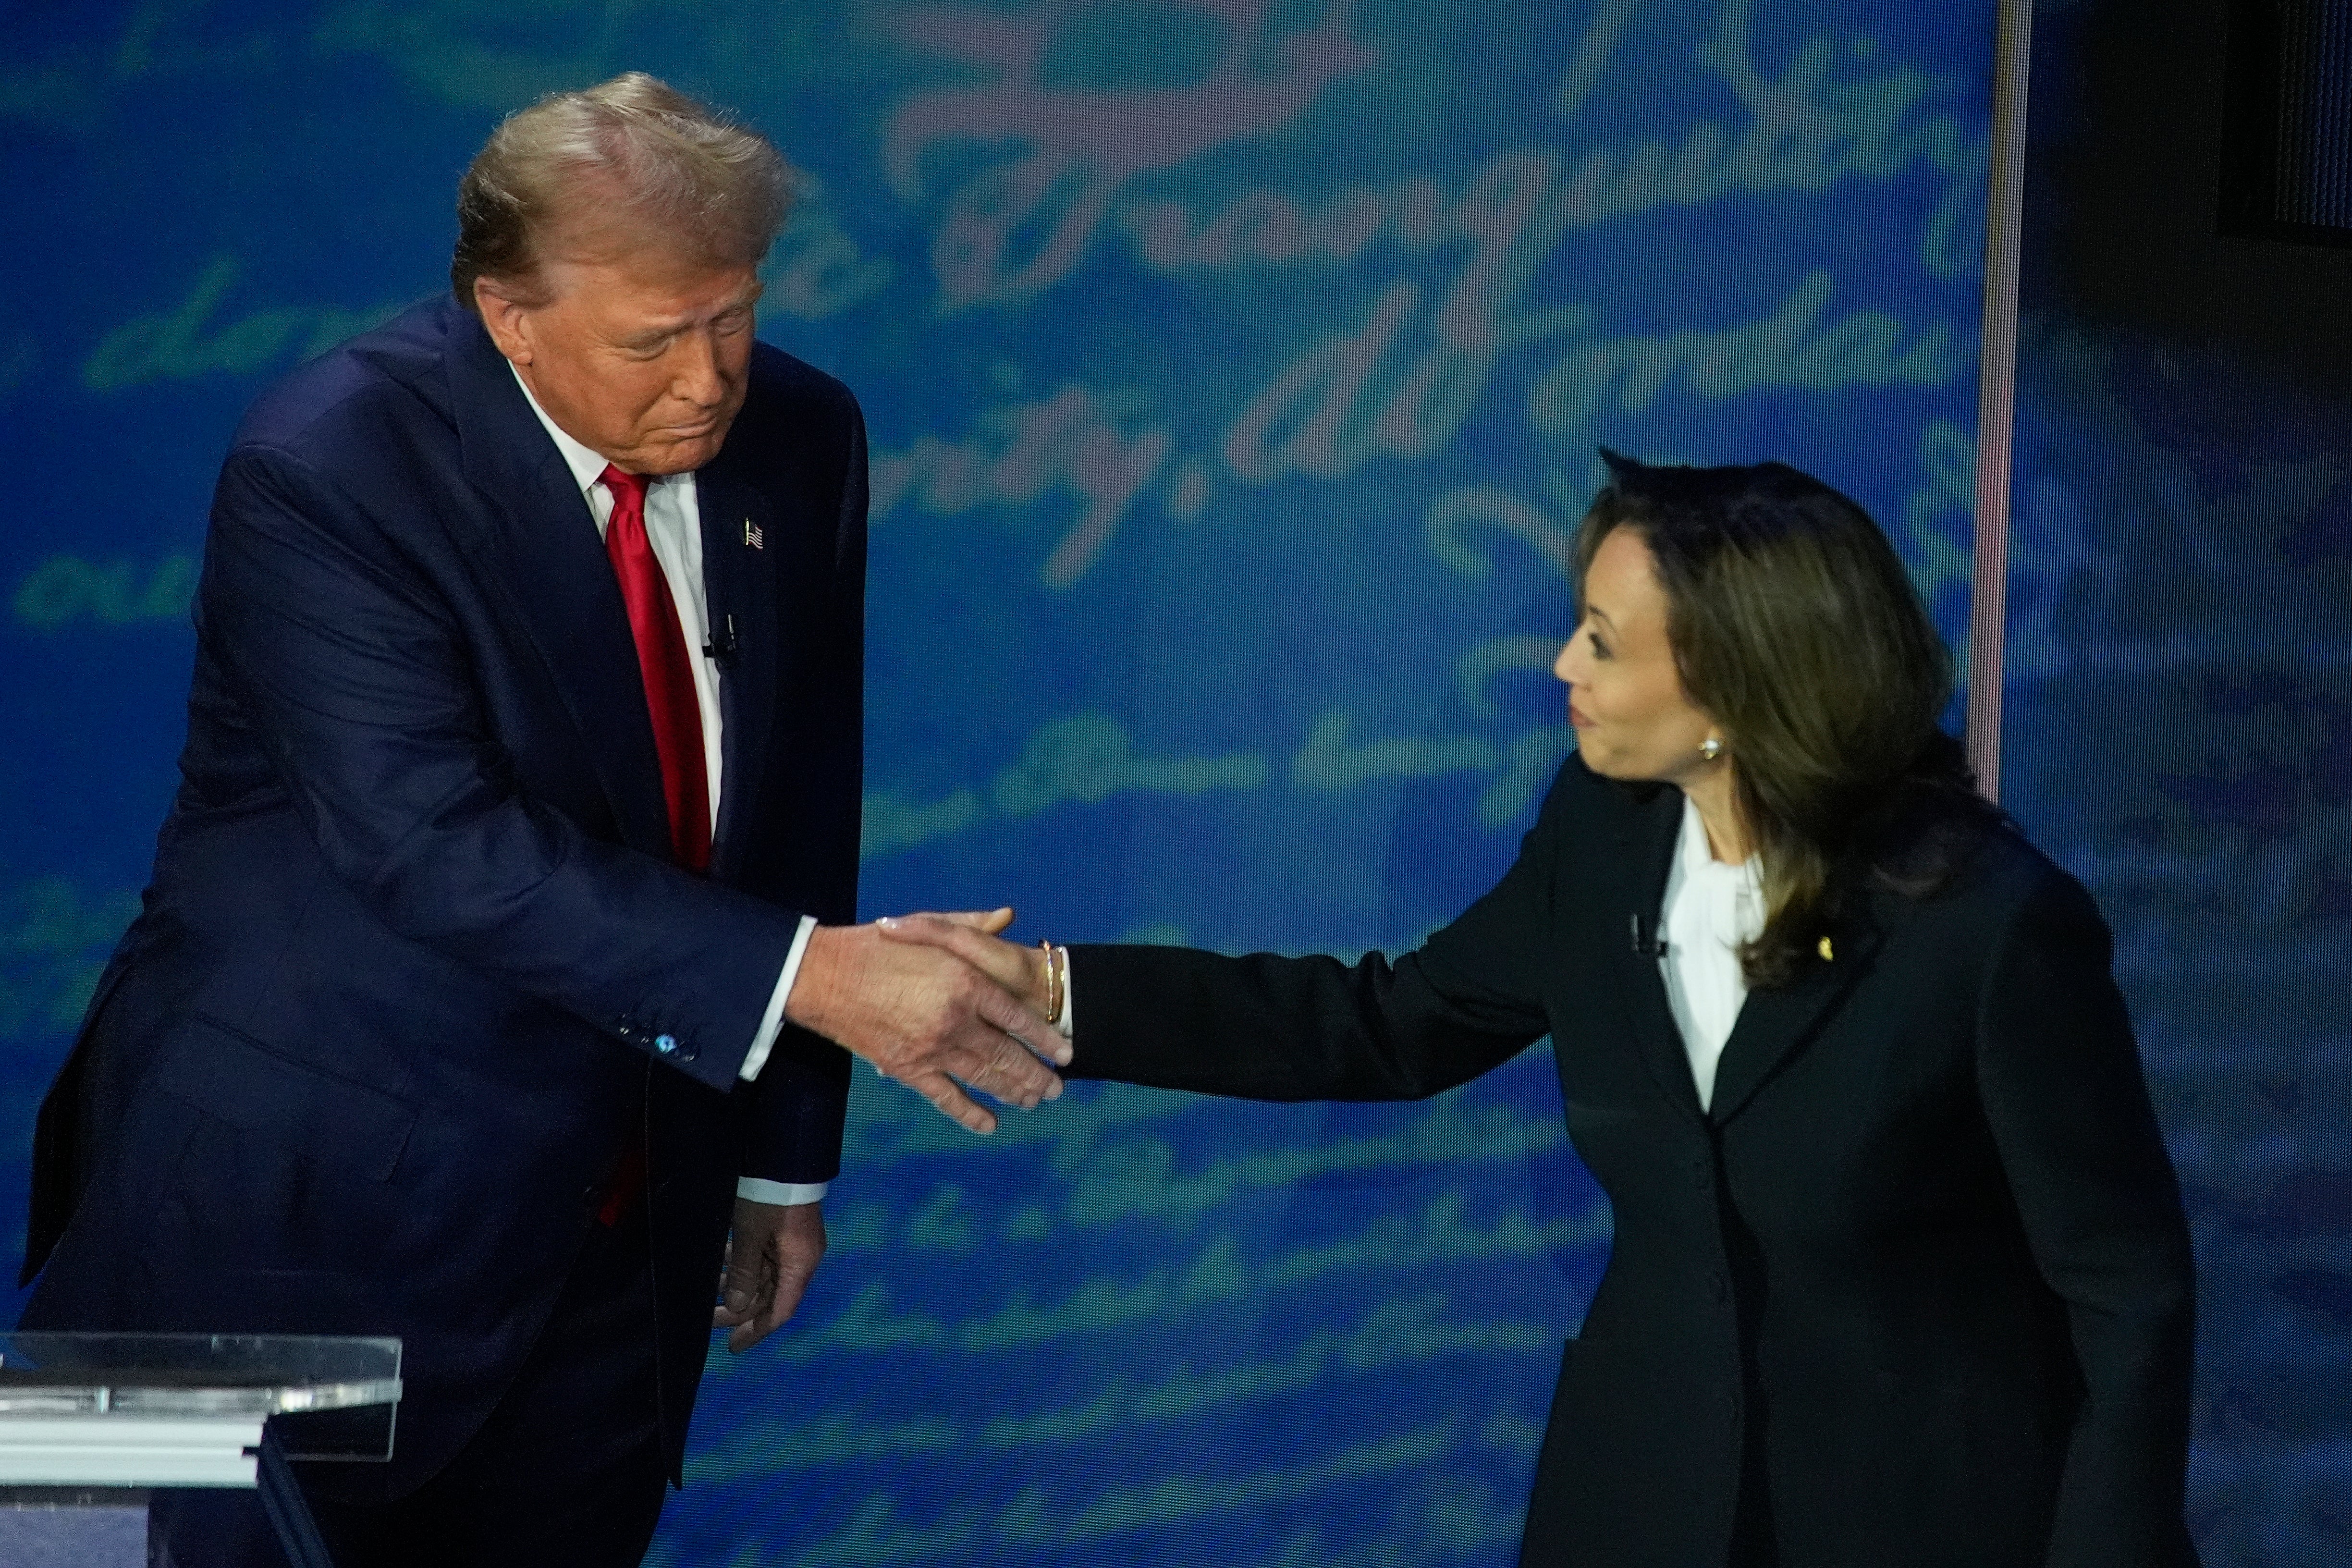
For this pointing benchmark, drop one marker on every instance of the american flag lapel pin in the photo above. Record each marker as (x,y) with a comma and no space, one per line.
(752,536)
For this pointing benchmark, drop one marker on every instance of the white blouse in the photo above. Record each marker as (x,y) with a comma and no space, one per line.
(1710,910)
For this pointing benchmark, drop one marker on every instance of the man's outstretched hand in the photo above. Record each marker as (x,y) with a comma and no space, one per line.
(772,1254)
(925,1016)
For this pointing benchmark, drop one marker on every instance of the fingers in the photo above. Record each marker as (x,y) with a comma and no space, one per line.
(773,1252)
(742,1286)
(746,1298)
(742,1289)
(753,1327)
(725,1317)
(787,1283)
(779,1309)
(951,1102)
(1001,1011)
(800,1247)
(1003,1068)
(985,1056)
(993,921)
(1020,969)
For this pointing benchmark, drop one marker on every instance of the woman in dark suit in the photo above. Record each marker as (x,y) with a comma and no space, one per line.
(1900,1275)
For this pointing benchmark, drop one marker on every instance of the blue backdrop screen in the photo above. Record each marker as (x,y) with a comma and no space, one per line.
(1235,371)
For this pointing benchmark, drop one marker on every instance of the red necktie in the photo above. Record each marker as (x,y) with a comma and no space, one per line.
(664,660)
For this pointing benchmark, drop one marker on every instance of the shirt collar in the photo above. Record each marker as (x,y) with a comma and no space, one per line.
(587,466)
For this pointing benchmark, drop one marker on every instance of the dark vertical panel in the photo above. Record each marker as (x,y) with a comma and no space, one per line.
(2179,693)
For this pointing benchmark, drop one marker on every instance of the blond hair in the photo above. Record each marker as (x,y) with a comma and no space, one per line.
(633,150)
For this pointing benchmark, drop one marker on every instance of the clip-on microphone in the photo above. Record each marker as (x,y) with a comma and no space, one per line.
(722,645)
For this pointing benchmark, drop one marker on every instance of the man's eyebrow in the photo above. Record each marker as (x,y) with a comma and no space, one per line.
(671,328)
(742,301)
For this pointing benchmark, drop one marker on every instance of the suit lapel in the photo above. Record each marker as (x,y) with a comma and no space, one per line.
(1647,852)
(741,547)
(1774,1023)
(541,546)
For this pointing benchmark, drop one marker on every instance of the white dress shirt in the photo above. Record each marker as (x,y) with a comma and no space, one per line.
(1711,909)
(674,527)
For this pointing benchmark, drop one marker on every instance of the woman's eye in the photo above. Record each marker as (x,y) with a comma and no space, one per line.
(1600,648)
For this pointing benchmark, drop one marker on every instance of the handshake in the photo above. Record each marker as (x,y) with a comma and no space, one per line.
(942,1004)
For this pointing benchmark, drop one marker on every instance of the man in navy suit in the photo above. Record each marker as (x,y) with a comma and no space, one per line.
(496,962)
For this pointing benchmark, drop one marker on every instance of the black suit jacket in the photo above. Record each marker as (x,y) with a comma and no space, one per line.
(1914,1290)
(415,964)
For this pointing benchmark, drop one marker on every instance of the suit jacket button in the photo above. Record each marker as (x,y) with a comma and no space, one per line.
(665,1044)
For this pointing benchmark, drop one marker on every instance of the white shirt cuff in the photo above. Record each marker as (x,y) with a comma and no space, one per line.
(785,1193)
(773,1020)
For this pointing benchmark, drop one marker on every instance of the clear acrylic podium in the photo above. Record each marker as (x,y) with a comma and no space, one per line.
(93,1426)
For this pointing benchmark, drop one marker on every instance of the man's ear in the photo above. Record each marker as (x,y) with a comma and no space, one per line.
(508,321)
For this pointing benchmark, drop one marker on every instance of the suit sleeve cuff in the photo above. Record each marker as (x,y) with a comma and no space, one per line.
(786,1194)
(773,1020)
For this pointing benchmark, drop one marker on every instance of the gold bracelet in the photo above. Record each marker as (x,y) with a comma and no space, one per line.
(1054,961)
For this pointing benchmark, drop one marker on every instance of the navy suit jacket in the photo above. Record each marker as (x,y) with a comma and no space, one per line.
(415,965)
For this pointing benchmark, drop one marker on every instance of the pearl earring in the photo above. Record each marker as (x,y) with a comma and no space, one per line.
(1710,749)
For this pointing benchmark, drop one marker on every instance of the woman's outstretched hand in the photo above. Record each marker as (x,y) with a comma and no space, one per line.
(972,936)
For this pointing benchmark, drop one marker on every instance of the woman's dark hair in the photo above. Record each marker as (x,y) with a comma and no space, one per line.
(1794,626)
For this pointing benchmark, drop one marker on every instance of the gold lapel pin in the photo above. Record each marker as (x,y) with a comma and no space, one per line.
(1829,954)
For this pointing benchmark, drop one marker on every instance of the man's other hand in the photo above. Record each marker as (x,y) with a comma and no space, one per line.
(772,1254)
(927,1018)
